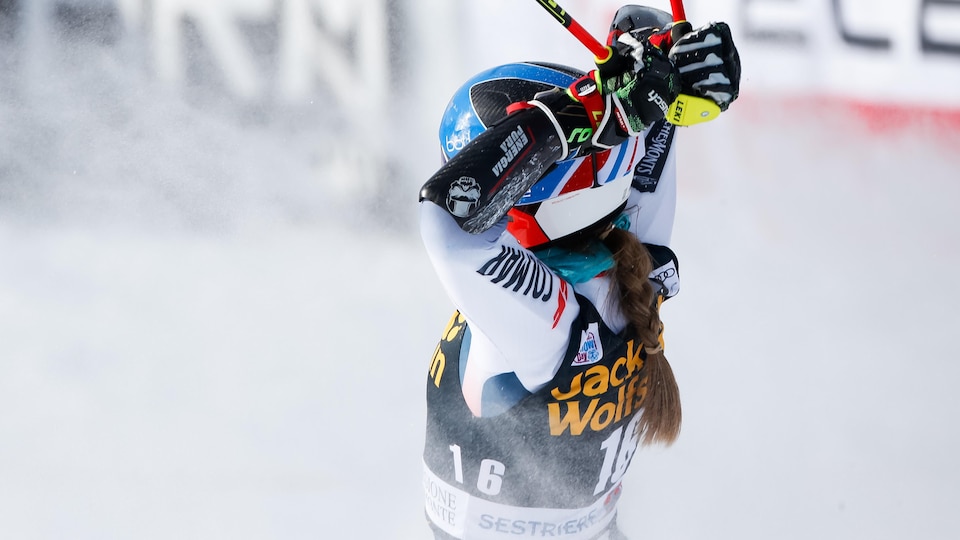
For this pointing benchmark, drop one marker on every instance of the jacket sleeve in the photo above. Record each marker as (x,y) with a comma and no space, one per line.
(653,199)
(504,291)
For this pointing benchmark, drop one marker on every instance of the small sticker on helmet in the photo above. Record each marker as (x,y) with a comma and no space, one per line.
(463,196)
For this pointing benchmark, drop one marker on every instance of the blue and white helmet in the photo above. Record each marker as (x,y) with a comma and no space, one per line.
(576,195)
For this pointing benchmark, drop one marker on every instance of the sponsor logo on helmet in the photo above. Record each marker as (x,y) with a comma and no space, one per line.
(591,349)
(463,196)
(655,98)
(512,146)
(457,141)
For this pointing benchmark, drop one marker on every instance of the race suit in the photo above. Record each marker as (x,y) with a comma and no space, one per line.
(534,391)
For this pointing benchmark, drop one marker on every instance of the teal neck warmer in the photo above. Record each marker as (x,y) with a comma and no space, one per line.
(582,266)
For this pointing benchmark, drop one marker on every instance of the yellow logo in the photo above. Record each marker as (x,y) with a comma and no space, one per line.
(617,391)
(689,110)
(554,8)
(439,360)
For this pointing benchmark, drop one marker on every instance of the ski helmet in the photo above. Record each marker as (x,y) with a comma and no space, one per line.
(632,17)
(577,197)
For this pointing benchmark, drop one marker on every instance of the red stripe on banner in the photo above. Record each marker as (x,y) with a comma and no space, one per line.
(877,118)
(883,117)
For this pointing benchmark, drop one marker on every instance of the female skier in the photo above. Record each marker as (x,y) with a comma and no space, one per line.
(549,226)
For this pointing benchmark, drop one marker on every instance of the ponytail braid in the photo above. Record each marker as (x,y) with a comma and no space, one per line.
(661,415)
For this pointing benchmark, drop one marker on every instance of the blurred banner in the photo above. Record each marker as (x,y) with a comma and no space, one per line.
(255,48)
(894,52)
(359,56)
(325,70)
(885,52)
(889,62)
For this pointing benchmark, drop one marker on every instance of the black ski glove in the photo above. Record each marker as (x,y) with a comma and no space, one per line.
(708,62)
(640,82)
(627,93)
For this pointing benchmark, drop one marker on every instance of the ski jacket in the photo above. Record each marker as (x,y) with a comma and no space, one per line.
(534,389)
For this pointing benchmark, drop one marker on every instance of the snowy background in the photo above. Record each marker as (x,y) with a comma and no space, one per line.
(215,320)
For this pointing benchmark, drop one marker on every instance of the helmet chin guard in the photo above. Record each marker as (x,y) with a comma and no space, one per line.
(569,219)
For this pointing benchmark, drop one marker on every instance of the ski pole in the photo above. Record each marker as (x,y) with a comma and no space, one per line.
(686,110)
(601,52)
(676,6)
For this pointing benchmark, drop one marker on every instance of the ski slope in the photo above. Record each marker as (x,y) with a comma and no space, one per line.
(199,338)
